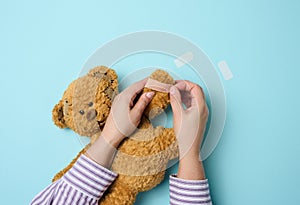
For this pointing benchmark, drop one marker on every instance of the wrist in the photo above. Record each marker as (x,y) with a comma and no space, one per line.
(102,152)
(190,151)
(190,157)
(191,168)
(114,138)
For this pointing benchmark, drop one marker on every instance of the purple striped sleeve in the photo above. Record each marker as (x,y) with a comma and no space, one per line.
(84,183)
(187,192)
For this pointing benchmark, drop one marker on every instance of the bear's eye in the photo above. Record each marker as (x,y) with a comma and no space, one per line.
(90,104)
(81,112)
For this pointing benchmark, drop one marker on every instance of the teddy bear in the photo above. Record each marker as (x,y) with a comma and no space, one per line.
(142,158)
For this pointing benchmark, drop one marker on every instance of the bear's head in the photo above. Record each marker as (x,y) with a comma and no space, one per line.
(86,103)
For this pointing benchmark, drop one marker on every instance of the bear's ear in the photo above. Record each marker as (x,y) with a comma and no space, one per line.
(98,71)
(58,115)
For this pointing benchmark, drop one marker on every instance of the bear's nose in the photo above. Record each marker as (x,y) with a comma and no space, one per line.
(91,114)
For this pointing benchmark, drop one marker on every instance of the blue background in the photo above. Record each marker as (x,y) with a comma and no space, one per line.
(43,46)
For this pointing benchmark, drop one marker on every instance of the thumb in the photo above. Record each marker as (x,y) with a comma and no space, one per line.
(139,107)
(175,100)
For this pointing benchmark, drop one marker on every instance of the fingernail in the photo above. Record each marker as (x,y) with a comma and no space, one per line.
(149,94)
(172,90)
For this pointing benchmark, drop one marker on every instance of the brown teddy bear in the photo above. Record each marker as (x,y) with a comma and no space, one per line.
(142,158)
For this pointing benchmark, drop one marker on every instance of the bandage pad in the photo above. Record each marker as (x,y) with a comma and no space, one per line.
(158,86)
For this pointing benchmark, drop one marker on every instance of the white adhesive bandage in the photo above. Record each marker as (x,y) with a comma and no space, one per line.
(225,70)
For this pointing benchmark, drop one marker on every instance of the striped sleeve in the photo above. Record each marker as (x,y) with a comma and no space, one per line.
(84,183)
(187,192)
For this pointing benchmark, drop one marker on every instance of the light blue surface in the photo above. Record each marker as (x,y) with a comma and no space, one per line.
(44,45)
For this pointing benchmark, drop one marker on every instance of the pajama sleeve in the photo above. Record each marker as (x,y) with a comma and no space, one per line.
(84,183)
(187,192)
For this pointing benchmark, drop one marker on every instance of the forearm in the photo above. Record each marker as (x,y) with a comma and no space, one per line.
(191,167)
(190,164)
(103,150)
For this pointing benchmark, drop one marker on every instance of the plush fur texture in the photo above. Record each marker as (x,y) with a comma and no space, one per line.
(142,158)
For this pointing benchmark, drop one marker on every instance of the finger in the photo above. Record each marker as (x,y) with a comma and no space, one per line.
(185,85)
(178,81)
(132,91)
(185,91)
(197,95)
(175,100)
(139,107)
(186,98)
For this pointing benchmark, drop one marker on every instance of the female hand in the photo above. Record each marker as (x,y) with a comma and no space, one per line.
(189,125)
(125,116)
(122,120)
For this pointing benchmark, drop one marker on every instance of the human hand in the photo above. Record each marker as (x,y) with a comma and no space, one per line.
(125,116)
(122,120)
(189,123)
